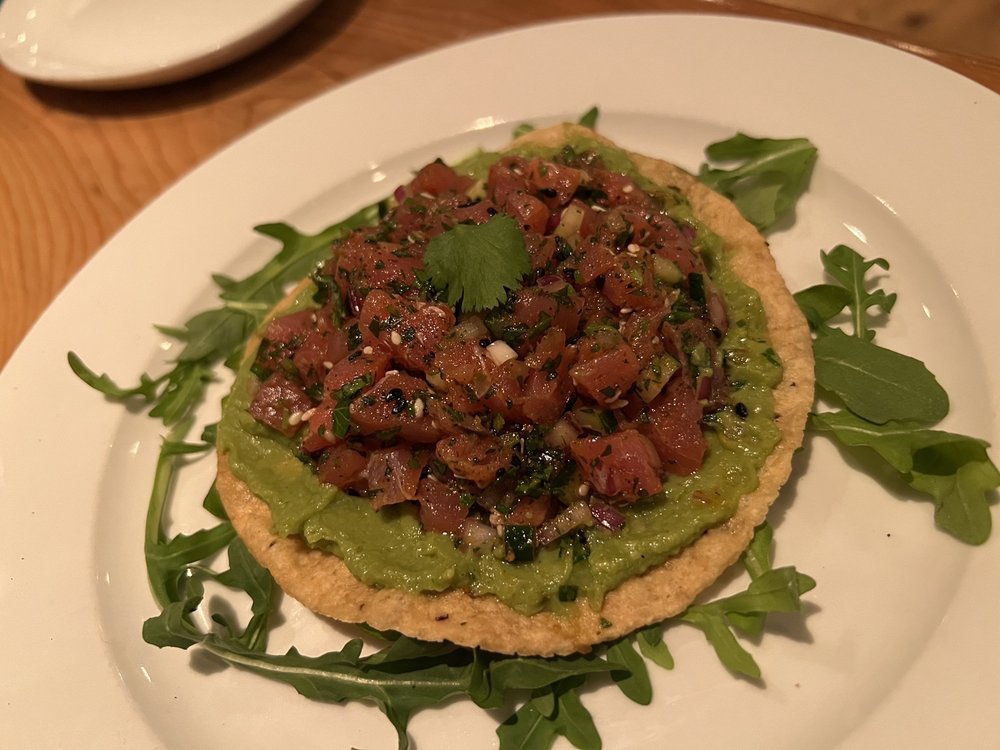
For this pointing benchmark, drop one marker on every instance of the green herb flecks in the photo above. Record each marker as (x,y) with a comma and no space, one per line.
(772,174)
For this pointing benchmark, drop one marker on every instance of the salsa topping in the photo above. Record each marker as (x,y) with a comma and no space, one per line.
(519,357)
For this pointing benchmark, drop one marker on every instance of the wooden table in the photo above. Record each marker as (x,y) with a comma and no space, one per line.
(75,165)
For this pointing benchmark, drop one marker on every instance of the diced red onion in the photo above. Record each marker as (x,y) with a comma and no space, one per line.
(553,222)
(607,515)
(704,387)
(399,194)
(551,280)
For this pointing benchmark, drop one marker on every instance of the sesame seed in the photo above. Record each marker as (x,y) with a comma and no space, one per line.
(627,189)
(392,372)
(367,350)
(328,365)
(418,408)
(625,310)
(599,209)
(633,249)
(308,414)
(395,338)
(583,490)
(294,418)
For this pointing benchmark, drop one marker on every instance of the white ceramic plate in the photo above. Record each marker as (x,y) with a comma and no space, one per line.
(106,44)
(899,645)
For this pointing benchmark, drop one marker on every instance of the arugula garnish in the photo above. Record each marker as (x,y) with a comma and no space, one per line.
(218,335)
(588,119)
(891,400)
(770,179)
(955,470)
(478,263)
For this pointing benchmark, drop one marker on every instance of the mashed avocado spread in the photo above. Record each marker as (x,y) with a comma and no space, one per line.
(389,548)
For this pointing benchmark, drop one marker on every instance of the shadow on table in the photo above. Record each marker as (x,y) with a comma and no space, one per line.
(316,30)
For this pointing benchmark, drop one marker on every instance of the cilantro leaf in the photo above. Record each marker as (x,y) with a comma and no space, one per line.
(766,185)
(478,263)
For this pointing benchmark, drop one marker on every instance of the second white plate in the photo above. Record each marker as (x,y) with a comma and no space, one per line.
(105,44)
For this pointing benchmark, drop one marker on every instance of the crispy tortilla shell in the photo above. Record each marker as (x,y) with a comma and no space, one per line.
(323,583)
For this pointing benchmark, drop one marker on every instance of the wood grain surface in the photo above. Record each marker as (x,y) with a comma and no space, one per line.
(75,166)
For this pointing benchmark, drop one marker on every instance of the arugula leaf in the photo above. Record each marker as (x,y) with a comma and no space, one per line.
(777,590)
(631,676)
(478,263)
(531,673)
(339,676)
(849,268)
(651,645)
(247,575)
(772,176)
(523,129)
(821,303)
(891,398)
(770,590)
(146,389)
(877,384)
(953,469)
(589,118)
(548,715)
(218,335)
(299,255)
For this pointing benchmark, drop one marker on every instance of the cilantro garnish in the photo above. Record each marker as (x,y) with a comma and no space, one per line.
(478,263)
